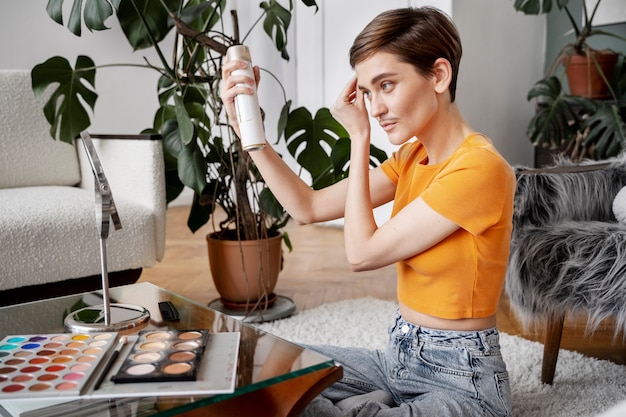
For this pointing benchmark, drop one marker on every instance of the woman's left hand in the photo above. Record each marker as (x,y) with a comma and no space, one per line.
(349,109)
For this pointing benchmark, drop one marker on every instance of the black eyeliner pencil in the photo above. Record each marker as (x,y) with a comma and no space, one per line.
(111,361)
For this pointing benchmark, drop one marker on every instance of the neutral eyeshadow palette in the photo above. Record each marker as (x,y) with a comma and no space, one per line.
(163,355)
(51,365)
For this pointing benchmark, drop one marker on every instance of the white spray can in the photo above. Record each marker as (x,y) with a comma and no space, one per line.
(247,106)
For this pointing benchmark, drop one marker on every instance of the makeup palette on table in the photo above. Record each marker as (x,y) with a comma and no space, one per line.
(105,365)
(52,365)
(161,356)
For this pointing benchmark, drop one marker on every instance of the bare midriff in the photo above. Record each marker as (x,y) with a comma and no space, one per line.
(432,322)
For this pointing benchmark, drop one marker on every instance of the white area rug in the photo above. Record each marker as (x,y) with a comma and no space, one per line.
(582,386)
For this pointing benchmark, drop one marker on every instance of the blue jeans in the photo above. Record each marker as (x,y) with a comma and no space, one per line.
(423,372)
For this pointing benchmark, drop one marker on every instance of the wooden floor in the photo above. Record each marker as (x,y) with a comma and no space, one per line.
(316,273)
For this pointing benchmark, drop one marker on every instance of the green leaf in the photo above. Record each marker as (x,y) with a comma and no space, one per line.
(155,15)
(555,119)
(55,10)
(203,15)
(185,125)
(321,146)
(287,241)
(162,116)
(606,131)
(378,156)
(94,13)
(310,3)
(192,168)
(340,158)
(270,204)
(75,23)
(340,154)
(305,135)
(199,214)
(172,145)
(338,169)
(66,109)
(276,24)
(283,119)
(535,7)
(173,186)
(167,89)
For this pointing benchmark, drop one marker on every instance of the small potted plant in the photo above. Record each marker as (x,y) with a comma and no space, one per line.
(589,120)
(201,150)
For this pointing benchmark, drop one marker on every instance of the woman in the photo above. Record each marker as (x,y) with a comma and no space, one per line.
(448,234)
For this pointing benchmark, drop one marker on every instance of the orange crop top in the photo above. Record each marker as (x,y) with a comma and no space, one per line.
(461,276)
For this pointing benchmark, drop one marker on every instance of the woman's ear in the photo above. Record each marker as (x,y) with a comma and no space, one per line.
(443,75)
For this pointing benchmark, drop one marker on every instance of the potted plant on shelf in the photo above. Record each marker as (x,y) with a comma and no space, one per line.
(587,122)
(201,150)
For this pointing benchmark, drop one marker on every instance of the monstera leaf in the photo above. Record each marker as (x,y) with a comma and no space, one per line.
(305,135)
(556,119)
(146,22)
(95,13)
(321,146)
(560,118)
(605,130)
(276,23)
(65,110)
(534,7)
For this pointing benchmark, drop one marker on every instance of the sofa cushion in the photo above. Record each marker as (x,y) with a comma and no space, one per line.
(39,224)
(30,156)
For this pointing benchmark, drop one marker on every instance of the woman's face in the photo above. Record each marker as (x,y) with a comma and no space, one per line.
(402,100)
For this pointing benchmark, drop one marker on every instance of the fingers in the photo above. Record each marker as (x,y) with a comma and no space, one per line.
(350,110)
(349,92)
(235,82)
(348,97)
(257,74)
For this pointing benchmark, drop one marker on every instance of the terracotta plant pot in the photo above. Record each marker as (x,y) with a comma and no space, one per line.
(244,271)
(583,76)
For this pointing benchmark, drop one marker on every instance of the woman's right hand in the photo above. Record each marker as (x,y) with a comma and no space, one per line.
(233,85)
(350,110)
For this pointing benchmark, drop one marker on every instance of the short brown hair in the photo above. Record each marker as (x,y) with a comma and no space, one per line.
(418,36)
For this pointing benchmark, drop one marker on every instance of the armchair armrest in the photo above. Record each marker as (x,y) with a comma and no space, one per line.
(135,170)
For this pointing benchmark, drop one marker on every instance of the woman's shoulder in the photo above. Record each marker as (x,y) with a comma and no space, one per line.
(410,152)
(480,149)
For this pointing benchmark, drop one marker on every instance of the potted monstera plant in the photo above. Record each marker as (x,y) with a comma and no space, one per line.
(586,120)
(201,151)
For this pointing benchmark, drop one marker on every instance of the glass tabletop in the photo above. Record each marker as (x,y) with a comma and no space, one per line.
(264,359)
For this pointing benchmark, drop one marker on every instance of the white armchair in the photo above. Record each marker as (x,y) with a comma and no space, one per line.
(49,243)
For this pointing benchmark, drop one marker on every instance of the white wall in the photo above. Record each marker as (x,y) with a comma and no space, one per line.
(503,55)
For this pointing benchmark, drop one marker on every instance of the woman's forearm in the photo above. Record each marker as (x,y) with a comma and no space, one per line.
(303,204)
(360,224)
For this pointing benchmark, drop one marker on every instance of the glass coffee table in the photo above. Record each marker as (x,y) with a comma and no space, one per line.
(274,377)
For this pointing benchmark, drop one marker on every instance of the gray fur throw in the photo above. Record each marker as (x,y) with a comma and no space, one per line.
(568,252)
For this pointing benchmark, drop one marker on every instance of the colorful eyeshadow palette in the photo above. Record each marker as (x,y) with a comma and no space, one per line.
(51,365)
(216,368)
(160,356)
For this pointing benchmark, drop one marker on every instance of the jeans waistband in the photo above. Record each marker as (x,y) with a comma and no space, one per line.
(485,339)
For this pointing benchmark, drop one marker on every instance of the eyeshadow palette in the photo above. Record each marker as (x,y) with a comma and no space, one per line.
(50,365)
(83,366)
(163,355)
